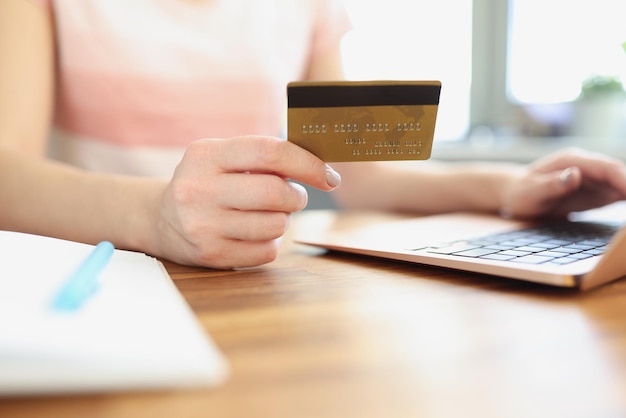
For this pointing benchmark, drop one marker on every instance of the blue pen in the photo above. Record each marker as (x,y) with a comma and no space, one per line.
(84,281)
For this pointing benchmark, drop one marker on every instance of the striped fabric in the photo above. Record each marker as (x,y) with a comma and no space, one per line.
(140,79)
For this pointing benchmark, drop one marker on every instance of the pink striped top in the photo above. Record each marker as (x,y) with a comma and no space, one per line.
(138,80)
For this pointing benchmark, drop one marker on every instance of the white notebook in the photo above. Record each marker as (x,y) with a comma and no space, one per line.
(135,332)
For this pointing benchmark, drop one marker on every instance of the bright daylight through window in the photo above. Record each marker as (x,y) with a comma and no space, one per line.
(552,50)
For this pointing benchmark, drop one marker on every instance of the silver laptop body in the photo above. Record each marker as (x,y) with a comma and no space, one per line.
(421,240)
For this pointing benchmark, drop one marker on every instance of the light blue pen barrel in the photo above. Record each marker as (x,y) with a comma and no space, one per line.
(83,283)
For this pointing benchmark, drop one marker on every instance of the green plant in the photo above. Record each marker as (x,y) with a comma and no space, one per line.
(602,85)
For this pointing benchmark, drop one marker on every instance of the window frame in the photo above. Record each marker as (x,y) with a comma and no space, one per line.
(490,105)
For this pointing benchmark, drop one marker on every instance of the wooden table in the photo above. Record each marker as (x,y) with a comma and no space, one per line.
(332,335)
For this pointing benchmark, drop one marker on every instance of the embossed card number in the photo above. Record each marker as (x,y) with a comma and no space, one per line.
(364,120)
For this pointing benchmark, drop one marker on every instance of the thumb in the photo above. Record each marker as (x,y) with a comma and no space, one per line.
(538,194)
(561,183)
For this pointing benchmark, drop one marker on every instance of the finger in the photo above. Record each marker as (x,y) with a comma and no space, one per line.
(594,167)
(273,155)
(613,175)
(548,189)
(254,226)
(561,184)
(235,254)
(590,195)
(260,192)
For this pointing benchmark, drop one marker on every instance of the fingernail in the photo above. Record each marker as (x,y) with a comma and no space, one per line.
(566,175)
(332,177)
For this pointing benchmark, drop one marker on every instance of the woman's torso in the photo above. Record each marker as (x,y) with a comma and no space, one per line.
(139,80)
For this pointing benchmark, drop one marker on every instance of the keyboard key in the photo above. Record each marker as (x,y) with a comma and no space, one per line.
(595,251)
(475,252)
(579,256)
(553,254)
(545,245)
(452,248)
(528,249)
(497,256)
(532,259)
(567,250)
(594,243)
(582,247)
(515,253)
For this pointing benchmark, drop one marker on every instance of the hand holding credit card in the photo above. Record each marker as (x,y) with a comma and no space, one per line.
(342,121)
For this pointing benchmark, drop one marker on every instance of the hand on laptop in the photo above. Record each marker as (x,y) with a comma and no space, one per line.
(563,182)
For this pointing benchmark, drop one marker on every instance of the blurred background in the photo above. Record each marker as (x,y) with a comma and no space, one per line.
(530,73)
(520,77)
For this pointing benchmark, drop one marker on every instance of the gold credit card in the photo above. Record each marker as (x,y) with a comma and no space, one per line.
(363,120)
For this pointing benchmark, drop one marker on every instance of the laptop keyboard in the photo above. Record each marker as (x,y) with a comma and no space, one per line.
(556,243)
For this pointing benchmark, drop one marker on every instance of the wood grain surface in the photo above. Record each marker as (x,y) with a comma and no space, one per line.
(318,334)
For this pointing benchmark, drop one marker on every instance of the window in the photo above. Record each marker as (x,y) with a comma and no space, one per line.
(565,69)
(508,66)
(557,44)
(410,39)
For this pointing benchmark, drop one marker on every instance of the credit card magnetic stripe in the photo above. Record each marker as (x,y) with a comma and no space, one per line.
(363,95)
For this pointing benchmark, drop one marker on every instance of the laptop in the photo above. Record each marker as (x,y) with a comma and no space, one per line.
(584,251)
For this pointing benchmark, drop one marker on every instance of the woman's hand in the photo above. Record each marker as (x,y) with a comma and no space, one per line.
(230,200)
(563,182)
